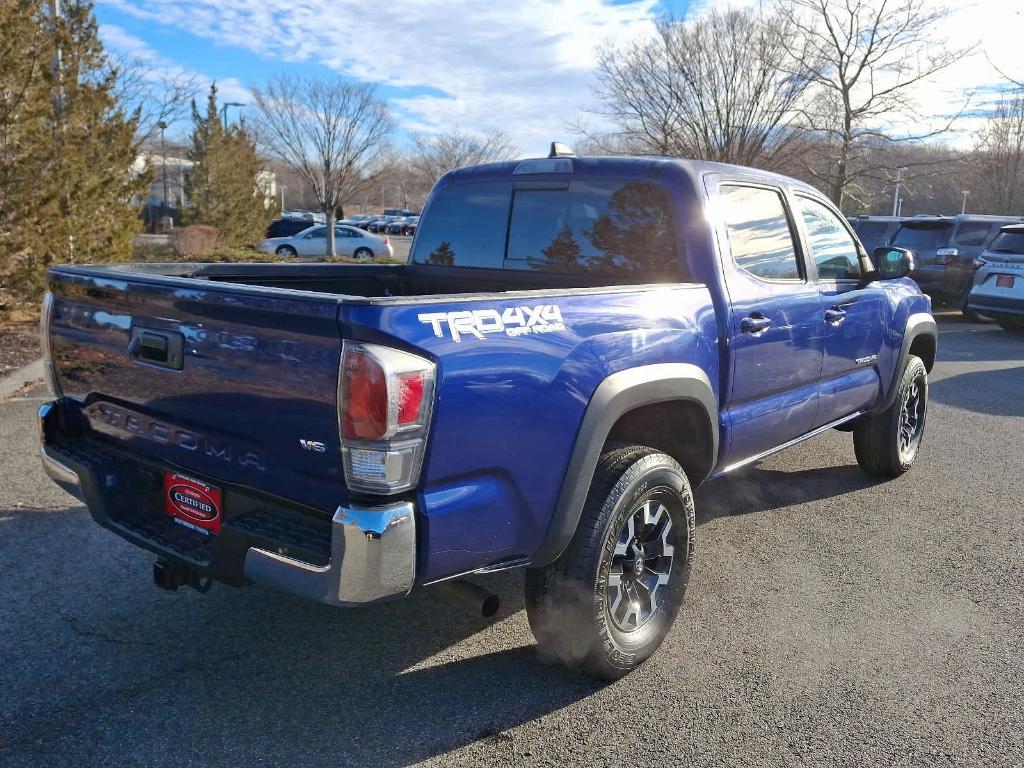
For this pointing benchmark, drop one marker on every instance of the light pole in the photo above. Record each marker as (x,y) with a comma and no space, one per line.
(896,202)
(163,167)
(224,111)
(283,188)
(963,208)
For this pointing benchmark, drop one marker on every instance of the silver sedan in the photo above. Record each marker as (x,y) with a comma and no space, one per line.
(311,243)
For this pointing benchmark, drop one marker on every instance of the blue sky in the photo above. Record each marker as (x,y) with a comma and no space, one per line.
(525,67)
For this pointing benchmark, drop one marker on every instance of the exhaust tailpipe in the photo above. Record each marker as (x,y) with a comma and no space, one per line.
(473,596)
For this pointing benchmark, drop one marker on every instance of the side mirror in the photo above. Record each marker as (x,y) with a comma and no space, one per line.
(892,263)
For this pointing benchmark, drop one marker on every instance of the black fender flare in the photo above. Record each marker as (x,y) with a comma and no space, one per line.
(918,324)
(615,396)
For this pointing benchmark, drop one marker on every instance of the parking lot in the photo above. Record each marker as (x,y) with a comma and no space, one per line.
(831,620)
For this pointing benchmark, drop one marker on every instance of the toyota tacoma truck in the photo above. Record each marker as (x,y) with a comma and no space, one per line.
(573,345)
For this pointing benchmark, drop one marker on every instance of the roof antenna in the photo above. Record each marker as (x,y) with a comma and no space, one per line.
(558,149)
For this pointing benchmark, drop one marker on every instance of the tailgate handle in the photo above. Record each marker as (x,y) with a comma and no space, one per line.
(164,349)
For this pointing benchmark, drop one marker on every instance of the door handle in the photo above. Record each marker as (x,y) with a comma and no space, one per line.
(834,315)
(164,349)
(755,323)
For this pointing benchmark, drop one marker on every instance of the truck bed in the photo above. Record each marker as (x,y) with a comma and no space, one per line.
(354,282)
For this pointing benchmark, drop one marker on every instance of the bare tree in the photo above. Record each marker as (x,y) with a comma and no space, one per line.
(435,154)
(160,96)
(866,59)
(716,88)
(328,131)
(998,161)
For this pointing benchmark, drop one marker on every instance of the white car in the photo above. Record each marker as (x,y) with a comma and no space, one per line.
(998,289)
(348,241)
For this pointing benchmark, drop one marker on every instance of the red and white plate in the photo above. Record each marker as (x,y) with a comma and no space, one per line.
(192,503)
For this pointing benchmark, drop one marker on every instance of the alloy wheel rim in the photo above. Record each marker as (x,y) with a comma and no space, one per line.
(911,419)
(641,566)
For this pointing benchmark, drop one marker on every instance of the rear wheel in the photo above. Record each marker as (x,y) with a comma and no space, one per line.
(886,443)
(286,252)
(607,603)
(363,254)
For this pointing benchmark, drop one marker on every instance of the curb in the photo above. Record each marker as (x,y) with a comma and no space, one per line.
(12,382)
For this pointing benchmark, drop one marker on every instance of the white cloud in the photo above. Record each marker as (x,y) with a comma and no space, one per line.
(526,67)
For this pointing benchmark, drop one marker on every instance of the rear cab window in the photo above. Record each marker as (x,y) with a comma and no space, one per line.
(622,228)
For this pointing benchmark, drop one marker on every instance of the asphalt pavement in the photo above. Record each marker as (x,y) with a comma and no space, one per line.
(831,619)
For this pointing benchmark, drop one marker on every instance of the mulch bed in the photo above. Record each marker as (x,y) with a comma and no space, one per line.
(19,345)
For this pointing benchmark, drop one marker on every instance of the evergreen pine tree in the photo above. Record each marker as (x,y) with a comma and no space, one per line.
(223,185)
(69,190)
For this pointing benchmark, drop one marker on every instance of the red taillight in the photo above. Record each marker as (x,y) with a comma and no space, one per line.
(410,399)
(386,241)
(385,398)
(366,406)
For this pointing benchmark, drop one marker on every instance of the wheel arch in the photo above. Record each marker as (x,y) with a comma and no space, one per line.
(668,406)
(921,338)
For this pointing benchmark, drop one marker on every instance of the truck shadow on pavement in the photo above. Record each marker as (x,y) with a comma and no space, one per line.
(761,489)
(122,673)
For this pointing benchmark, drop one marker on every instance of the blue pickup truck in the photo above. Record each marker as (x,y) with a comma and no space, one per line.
(574,344)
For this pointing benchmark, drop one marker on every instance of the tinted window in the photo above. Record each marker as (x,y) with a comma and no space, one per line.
(919,237)
(832,247)
(759,233)
(595,227)
(317,232)
(1008,242)
(972,233)
(465,227)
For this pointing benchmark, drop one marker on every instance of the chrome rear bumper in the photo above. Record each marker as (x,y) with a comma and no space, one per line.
(57,471)
(373,549)
(373,559)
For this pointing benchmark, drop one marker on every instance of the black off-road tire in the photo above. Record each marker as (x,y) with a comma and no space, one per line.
(569,602)
(887,443)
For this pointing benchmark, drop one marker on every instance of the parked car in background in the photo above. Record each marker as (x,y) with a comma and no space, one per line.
(998,287)
(380,224)
(348,241)
(353,221)
(945,249)
(397,227)
(875,231)
(286,227)
(410,228)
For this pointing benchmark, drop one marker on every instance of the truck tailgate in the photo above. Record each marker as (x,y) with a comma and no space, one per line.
(233,384)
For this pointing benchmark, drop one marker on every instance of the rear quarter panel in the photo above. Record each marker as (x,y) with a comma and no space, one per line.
(510,402)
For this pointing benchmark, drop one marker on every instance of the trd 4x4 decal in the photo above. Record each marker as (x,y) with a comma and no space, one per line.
(512,321)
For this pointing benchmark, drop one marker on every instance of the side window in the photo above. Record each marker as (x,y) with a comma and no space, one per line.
(832,247)
(318,232)
(465,227)
(620,228)
(972,233)
(759,233)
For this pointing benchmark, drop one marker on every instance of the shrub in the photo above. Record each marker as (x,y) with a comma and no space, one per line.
(194,241)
